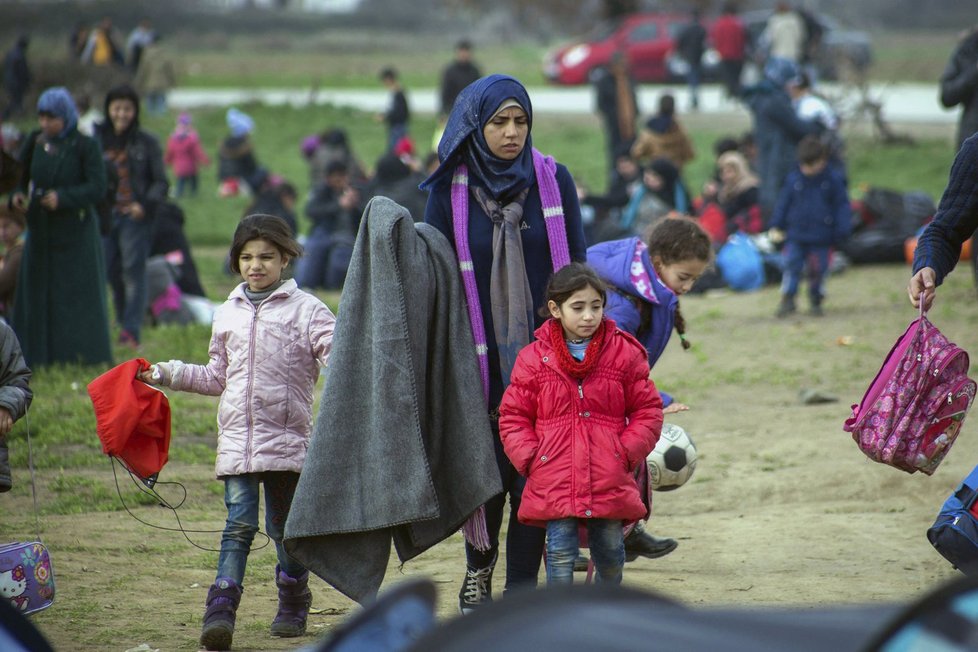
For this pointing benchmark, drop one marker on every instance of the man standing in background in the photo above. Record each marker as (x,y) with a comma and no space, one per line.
(729,37)
(16,77)
(617,104)
(959,85)
(691,44)
(785,33)
(457,75)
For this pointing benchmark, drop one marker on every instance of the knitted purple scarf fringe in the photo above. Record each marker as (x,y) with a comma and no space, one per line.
(474,530)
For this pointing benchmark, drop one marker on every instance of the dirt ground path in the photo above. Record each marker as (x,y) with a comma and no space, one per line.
(783,509)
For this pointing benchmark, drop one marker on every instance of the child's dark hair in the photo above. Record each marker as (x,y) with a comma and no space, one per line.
(811,150)
(388,74)
(260,226)
(570,279)
(724,145)
(288,190)
(674,240)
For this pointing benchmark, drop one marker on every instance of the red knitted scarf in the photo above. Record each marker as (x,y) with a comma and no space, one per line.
(576,368)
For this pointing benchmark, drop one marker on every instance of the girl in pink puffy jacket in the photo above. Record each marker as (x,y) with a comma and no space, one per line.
(268,342)
(580,414)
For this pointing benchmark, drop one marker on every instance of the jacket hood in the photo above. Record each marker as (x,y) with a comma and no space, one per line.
(613,261)
(109,138)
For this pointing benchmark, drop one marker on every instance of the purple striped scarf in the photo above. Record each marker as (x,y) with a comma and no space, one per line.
(553,216)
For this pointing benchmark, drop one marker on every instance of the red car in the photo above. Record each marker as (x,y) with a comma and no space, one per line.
(647,40)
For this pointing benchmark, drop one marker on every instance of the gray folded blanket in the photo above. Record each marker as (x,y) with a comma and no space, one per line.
(401,448)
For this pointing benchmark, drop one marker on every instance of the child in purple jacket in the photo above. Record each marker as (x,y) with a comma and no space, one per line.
(645,281)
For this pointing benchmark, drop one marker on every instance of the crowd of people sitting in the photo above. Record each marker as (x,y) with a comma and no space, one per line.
(646,182)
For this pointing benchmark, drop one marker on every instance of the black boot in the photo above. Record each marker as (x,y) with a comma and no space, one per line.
(816,307)
(476,588)
(640,543)
(786,307)
(294,600)
(222,605)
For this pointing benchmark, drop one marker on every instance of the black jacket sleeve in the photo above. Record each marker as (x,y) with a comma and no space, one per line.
(939,246)
(15,376)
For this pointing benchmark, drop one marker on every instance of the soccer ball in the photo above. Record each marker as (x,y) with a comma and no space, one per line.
(673,460)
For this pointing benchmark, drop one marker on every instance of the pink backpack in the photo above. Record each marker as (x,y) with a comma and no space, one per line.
(914,408)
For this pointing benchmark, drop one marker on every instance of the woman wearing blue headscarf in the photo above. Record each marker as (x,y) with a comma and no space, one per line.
(60,313)
(513,217)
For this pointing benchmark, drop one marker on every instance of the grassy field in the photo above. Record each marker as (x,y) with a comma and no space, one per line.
(78,496)
(62,418)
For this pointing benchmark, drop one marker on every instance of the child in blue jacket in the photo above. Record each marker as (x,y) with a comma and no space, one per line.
(812,215)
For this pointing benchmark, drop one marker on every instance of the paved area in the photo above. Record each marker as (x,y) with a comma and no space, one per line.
(902,103)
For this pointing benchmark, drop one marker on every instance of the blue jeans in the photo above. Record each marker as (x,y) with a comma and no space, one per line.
(524,543)
(324,260)
(394,134)
(605,539)
(241,498)
(795,255)
(693,77)
(126,248)
(187,182)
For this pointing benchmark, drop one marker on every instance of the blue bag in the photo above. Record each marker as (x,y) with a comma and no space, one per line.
(955,532)
(740,263)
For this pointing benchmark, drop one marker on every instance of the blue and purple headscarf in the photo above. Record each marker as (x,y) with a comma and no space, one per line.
(57,101)
(464,142)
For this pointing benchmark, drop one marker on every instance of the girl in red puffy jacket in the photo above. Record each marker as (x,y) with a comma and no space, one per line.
(580,414)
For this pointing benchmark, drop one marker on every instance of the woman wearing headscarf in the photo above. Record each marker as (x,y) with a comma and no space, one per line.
(733,204)
(662,192)
(60,313)
(513,217)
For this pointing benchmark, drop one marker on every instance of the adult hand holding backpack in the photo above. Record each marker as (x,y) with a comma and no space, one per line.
(924,282)
(913,410)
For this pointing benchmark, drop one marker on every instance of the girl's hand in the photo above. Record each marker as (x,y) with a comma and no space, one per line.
(149,376)
(158,374)
(19,201)
(135,210)
(675,407)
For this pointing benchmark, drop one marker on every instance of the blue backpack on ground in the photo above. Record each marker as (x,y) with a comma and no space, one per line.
(740,263)
(955,532)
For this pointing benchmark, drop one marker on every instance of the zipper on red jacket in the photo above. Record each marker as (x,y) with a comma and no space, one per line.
(580,388)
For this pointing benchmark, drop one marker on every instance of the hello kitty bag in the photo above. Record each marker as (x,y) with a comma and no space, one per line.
(913,410)
(26,579)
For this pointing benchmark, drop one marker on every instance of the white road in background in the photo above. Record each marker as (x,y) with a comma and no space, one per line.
(905,103)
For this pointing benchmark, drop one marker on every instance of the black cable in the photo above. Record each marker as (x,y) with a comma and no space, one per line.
(150,490)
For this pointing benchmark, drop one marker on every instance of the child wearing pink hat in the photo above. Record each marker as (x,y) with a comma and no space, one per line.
(185,155)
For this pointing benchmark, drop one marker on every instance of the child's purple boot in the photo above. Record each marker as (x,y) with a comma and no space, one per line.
(222,605)
(294,600)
